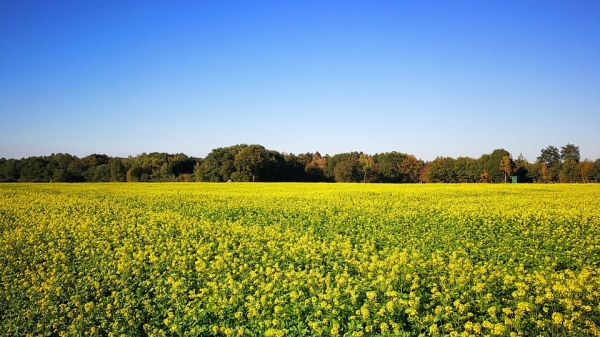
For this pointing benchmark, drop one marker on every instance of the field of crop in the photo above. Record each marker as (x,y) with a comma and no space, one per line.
(299,259)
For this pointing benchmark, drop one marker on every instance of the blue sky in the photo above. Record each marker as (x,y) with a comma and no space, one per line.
(429,78)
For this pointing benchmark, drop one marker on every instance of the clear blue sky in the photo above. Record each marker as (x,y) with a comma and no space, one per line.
(430,78)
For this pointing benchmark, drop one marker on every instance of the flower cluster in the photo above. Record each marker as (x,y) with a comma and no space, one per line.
(251,259)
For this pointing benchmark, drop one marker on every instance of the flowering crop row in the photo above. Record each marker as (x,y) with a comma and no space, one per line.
(299,259)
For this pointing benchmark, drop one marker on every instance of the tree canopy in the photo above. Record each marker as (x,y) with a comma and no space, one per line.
(256,163)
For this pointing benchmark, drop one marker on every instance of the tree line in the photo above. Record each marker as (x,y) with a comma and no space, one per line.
(256,163)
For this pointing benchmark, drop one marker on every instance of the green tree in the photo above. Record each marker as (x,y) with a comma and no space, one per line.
(294,165)
(534,172)
(210,169)
(388,166)
(219,164)
(95,160)
(522,169)
(9,170)
(118,171)
(250,161)
(349,169)
(138,173)
(276,168)
(410,169)
(367,163)
(466,170)
(594,173)
(492,165)
(101,173)
(482,167)
(441,170)
(395,167)
(570,152)
(570,156)
(240,177)
(32,169)
(180,164)
(76,169)
(568,170)
(551,157)
(59,167)
(89,165)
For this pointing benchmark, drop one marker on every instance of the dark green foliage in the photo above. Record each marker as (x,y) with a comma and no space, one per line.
(344,167)
(117,170)
(9,169)
(32,169)
(549,155)
(347,171)
(388,166)
(492,166)
(395,167)
(594,173)
(441,170)
(466,170)
(256,163)
(219,164)
(293,167)
(570,152)
(250,161)
(101,173)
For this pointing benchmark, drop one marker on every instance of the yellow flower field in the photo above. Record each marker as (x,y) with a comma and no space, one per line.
(256,259)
